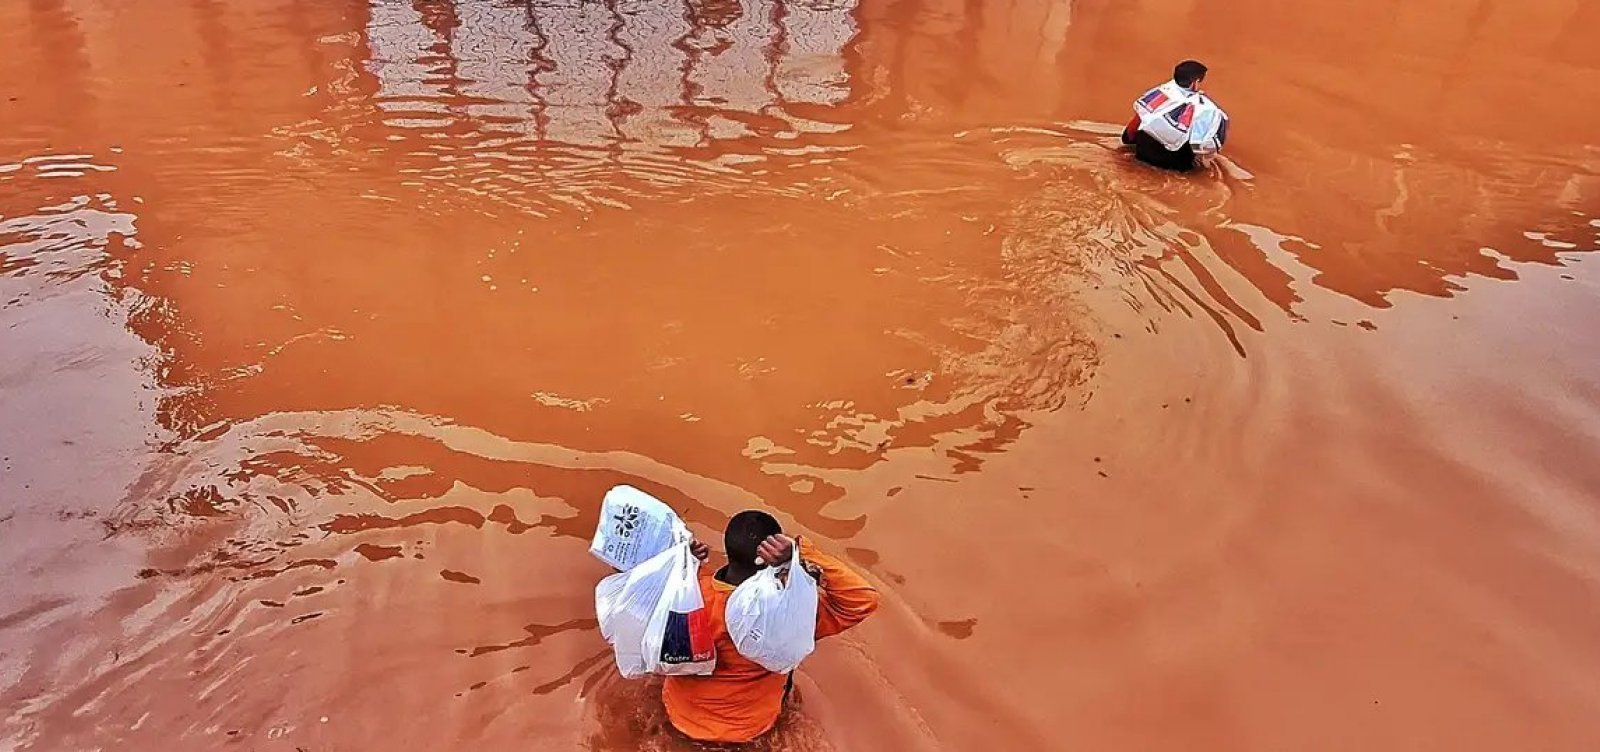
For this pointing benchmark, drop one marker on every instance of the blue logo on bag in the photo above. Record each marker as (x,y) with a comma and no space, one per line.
(627,520)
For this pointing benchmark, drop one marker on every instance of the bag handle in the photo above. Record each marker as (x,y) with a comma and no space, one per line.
(791,566)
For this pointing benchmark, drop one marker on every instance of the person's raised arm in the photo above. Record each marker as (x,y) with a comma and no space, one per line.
(844,597)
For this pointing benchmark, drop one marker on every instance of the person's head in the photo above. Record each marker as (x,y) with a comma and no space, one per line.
(746,531)
(1189,74)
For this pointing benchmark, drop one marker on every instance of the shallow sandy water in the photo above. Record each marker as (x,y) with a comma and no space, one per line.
(324,325)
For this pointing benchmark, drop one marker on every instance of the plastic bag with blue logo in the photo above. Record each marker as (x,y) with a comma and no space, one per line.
(634,526)
(652,612)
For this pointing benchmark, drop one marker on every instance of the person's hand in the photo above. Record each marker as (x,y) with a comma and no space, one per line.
(700,550)
(775,550)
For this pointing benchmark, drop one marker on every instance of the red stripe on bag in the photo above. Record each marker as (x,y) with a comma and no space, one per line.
(700,639)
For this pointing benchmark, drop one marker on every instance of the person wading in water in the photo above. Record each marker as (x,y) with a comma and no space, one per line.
(740,700)
(1174,125)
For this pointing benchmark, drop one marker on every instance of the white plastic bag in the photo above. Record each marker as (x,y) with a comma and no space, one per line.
(624,604)
(1176,116)
(634,526)
(679,641)
(773,622)
(654,617)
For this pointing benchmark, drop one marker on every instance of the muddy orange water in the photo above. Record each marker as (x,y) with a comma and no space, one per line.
(324,326)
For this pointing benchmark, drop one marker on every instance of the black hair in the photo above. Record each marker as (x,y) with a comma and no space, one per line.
(746,531)
(1188,72)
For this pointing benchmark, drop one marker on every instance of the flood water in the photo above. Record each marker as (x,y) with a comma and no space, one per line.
(325,324)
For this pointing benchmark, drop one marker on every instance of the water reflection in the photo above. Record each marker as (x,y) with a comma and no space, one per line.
(596,74)
(467,88)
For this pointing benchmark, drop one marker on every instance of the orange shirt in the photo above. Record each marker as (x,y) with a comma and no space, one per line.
(741,700)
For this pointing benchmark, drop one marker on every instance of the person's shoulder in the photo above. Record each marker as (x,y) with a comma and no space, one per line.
(711,586)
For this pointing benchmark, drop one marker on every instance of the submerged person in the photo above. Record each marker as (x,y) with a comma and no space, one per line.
(1174,125)
(740,700)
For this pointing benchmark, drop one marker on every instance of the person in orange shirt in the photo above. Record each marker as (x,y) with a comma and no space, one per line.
(740,700)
